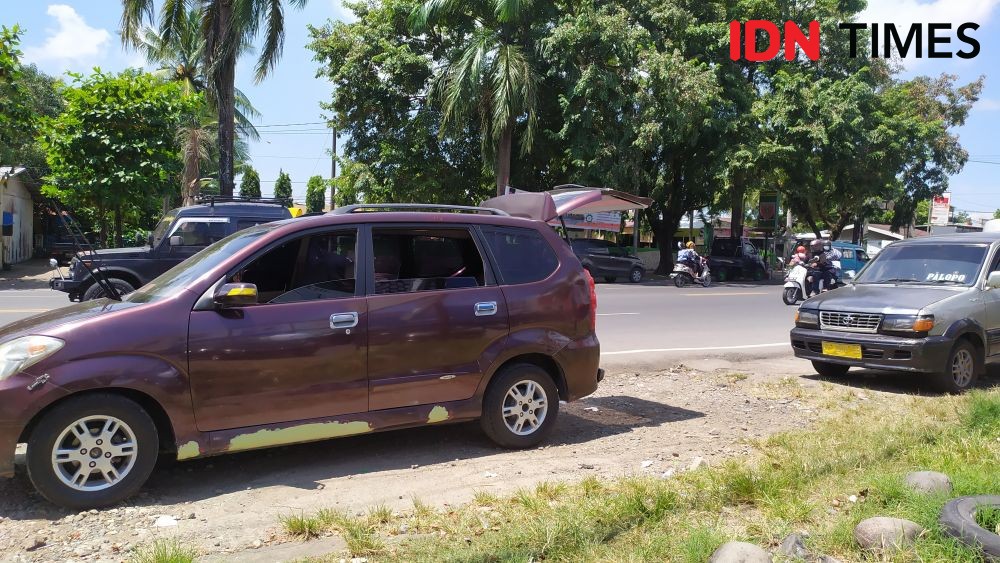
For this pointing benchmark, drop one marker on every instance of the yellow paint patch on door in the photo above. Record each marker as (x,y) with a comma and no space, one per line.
(296,434)
(438,414)
(188,451)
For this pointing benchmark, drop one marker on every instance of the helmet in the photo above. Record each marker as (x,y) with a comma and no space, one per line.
(690,244)
(816,244)
(800,250)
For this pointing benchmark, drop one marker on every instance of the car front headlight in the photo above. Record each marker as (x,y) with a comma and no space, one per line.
(21,353)
(807,318)
(908,323)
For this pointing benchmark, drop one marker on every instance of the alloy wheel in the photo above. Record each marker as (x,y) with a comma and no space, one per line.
(963,368)
(94,453)
(525,407)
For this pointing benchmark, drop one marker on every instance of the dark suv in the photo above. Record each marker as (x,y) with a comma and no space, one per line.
(604,259)
(179,235)
(303,330)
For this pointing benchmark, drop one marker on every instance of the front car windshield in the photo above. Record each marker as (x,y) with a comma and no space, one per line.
(925,264)
(181,275)
(161,228)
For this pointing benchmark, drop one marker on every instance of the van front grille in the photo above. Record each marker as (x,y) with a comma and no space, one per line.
(849,322)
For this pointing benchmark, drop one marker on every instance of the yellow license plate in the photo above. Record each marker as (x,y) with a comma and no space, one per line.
(852,351)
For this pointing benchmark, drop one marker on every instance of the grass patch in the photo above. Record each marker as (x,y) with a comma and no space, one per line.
(163,551)
(989,518)
(824,481)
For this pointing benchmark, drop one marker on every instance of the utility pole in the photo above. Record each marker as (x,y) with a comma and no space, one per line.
(333,169)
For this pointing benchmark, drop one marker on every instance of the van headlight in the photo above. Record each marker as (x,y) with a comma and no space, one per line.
(807,318)
(908,323)
(21,353)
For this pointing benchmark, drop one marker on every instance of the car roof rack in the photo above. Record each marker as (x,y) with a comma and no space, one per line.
(213,199)
(415,207)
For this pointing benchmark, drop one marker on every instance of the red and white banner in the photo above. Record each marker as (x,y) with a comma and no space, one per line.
(941,209)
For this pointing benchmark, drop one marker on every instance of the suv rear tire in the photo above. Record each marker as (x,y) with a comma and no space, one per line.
(520,406)
(71,452)
(830,371)
(95,291)
(962,370)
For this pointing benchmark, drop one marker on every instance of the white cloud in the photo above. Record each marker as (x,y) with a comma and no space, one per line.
(987,104)
(72,43)
(342,12)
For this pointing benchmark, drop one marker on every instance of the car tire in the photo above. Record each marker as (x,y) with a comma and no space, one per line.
(513,401)
(962,370)
(958,520)
(95,291)
(831,371)
(92,422)
(790,296)
(610,279)
(635,276)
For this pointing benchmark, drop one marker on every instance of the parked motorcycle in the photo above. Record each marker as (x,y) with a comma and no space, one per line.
(683,275)
(796,284)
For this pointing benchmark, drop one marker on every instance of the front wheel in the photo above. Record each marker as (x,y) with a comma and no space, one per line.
(831,371)
(92,451)
(520,406)
(635,276)
(95,291)
(962,370)
(790,296)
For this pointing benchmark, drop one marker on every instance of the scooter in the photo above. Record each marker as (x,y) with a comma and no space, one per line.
(684,276)
(796,283)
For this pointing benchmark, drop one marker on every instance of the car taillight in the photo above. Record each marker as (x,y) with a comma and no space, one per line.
(593,299)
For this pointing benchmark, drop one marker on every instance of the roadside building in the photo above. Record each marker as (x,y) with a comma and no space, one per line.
(18,192)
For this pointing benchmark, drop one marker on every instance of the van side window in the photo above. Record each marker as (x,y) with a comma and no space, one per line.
(413,260)
(847,254)
(310,268)
(522,255)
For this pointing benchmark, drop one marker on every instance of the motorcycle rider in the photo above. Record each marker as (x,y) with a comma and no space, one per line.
(821,267)
(689,257)
(800,257)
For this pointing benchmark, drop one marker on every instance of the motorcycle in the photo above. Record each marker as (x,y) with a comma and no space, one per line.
(796,283)
(683,275)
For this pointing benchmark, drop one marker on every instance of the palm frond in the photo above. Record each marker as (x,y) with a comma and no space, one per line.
(173,17)
(134,14)
(459,84)
(515,92)
(509,11)
(274,40)
(423,16)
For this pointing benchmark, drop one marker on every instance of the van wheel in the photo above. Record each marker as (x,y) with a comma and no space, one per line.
(520,406)
(635,276)
(830,371)
(962,370)
(92,451)
(95,291)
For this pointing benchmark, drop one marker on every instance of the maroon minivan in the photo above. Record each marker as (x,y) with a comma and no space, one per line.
(357,321)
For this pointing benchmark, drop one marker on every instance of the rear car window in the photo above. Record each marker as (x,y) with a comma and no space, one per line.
(413,260)
(522,255)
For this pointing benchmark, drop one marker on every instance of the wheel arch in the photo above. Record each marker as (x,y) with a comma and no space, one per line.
(121,273)
(153,408)
(970,330)
(543,361)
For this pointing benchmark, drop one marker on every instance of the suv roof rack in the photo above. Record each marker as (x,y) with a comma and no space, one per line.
(361,208)
(213,199)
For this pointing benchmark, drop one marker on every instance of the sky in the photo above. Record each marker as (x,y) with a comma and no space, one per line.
(77,35)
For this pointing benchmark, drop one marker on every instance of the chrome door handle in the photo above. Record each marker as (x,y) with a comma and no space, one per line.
(486,309)
(344,320)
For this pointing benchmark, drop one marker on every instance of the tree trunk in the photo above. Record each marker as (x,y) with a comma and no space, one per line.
(118,226)
(224,80)
(503,157)
(737,205)
(190,177)
(102,222)
(665,244)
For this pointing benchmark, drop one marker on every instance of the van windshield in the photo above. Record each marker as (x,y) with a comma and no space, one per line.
(181,275)
(925,264)
(161,228)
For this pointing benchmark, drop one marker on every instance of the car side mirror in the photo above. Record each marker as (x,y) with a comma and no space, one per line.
(849,274)
(235,295)
(176,240)
(993,281)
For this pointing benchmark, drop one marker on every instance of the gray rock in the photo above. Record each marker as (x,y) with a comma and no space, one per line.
(885,533)
(928,482)
(34,543)
(793,547)
(740,552)
(828,559)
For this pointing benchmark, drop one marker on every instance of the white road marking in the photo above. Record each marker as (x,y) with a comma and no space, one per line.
(725,294)
(705,349)
(615,314)
(24,310)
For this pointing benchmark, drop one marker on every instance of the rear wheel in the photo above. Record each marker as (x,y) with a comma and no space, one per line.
(635,276)
(95,291)
(826,369)
(790,296)
(520,406)
(706,280)
(962,370)
(92,451)
(681,280)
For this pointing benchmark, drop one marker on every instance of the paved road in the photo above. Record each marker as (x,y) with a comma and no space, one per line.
(636,323)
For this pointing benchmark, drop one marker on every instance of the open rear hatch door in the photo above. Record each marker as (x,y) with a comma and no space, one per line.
(551,205)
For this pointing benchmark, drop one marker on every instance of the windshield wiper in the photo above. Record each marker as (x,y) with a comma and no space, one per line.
(898,280)
(946,281)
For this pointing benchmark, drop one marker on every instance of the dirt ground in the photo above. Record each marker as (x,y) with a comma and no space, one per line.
(651,421)
(33,274)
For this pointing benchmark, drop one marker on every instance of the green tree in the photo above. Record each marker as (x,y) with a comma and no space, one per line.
(250,184)
(283,188)
(996,214)
(315,194)
(491,75)
(113,148)
(229,29)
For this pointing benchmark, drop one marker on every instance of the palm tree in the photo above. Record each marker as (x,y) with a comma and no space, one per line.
(493,76)
(228,29)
